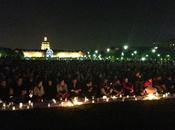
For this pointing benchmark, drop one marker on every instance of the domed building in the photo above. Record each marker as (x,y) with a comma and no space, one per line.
(47,52)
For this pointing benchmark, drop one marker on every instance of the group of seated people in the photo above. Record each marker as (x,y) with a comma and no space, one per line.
(20,84)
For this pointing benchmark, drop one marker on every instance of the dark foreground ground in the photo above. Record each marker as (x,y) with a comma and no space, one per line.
(120,115)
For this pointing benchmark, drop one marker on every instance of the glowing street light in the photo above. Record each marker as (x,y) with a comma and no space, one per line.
(96,51)
(167,55)
(153,50)
(147,55)
(125,47)
(156,47)
(158,55)
(135,52)
(143,58)
(122,54)
(108,49)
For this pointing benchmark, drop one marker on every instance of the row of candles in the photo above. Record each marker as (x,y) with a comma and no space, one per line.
(79,101)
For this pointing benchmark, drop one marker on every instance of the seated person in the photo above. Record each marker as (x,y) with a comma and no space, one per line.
(62,90)
(149,88)
(39,90)
(117,88)
(106,90)
(76,91)
(128,87)
(50,90)
(89,90)
(160,84)
(4,90)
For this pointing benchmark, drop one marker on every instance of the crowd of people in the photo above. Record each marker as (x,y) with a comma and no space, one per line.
(20,79)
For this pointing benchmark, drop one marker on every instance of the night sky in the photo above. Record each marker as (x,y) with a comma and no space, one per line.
(85,24)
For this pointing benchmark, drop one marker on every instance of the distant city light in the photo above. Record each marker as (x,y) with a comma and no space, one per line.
(135,52)
(158,55)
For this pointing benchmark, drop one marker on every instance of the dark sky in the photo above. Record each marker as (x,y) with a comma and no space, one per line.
(85,23)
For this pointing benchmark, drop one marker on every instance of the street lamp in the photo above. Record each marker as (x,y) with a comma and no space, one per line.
(108,49)
(135,52)
(125,47)
(153,50)
(96,51)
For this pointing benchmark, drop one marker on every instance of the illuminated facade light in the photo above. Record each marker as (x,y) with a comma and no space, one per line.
(45,44)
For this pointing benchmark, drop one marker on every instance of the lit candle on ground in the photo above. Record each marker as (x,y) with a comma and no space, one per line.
(120,96)
(29,102)
(13,108)
(20,105)
(86,99)
(54,101)
(127,96)
(48,105)
(28,106)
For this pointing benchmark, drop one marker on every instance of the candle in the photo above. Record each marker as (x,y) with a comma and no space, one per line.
(127,96)
(20,105)
(29,102)
(13,108)
(86,99)
(48,105)
(28,106)
(54,101)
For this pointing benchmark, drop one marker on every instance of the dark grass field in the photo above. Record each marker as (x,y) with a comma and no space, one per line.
(119,115)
